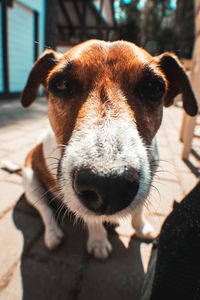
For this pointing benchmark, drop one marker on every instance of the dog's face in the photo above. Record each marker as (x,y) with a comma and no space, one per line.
(105,107)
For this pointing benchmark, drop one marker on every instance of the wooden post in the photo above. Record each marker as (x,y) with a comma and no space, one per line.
(189,122)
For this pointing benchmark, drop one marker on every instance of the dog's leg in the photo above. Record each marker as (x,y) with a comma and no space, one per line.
(143,228)
(98,243)
(35,192)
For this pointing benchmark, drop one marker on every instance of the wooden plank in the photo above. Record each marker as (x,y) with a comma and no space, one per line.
(1,52)
(20,45)
(5,48)
(36,35)
(188,125)
(67,17)
(83,21)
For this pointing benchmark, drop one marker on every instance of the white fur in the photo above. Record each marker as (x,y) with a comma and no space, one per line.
(142,227)
(35,194)
(51,152)
(98,243)
(82,150)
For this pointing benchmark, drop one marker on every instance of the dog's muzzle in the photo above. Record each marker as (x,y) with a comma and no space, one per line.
(106,193)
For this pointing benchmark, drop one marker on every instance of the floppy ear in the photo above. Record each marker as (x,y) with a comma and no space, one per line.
(38,75)
(178,83)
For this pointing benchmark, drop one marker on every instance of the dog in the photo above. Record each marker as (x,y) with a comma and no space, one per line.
(105,105)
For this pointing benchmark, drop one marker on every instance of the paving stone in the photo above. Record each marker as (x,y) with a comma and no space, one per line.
(166,171)
(14,134)
(7,128)
(3,153)
(11,285)
(145,251)
(9,195)
(11,241)
(30,227)
(147,287)
(72,249)
(68,272)
(46,280)
(188,181)
(36,124)
(15,146)
(3,174)
(125,228)
(15,178)
(119,277)
(160,202)
(193,164)
(23,206)
(18,157)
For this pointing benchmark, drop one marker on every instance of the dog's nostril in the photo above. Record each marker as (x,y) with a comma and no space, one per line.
(84,186)
(106,193)
(90,195)
(91,199)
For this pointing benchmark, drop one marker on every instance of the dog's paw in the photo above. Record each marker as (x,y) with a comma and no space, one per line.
(100,248)
(53,237)
(146,232)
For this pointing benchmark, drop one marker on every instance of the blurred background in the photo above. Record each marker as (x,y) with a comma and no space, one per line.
(28,270)
(27,27)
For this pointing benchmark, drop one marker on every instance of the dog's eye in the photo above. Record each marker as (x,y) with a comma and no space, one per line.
(152,89)
(63,85)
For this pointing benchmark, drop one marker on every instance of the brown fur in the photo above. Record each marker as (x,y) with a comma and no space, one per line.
(103,76)
(104,84)
(98,72)
(35,160)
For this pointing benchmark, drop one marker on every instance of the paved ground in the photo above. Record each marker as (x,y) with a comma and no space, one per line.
(28,270)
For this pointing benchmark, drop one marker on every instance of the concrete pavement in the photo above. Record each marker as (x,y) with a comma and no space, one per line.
(28,270)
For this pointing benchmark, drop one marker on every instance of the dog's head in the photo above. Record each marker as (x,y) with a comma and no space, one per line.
(105,103)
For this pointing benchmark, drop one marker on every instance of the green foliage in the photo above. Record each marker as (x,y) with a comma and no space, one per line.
(129,31)
(184,28)
(157,27)
(129,24)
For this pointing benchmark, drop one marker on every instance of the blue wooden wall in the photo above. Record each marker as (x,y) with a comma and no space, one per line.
(38,6)
(20,34)
(1,58)
(20,45)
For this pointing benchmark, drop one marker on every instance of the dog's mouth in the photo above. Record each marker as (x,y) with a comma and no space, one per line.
(105,193)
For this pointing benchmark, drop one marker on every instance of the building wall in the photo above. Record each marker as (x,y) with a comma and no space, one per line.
(36,5)
(20,45)
(39,7)
(1,58)
(106,10)
(21,41)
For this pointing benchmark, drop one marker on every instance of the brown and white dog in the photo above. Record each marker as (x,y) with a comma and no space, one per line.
(105,103)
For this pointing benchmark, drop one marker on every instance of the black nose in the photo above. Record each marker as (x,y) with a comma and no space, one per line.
(106,193)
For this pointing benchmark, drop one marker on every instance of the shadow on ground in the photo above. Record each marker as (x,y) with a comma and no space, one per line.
(13,113)
(69,273)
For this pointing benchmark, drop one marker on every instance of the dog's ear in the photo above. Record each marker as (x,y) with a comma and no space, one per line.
(41,68)
(178,82)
